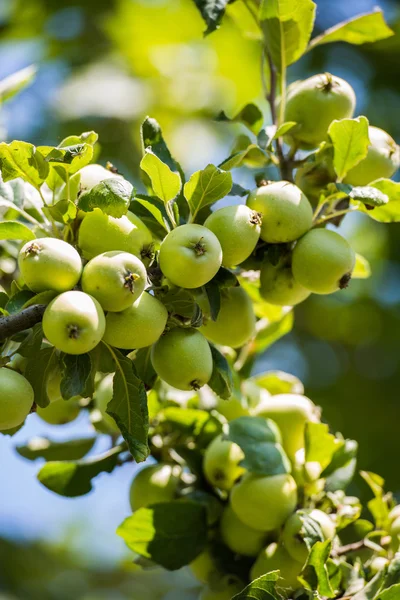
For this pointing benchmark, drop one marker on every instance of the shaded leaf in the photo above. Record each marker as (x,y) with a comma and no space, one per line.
(63,211)
(40,298)
(315,575)
(37,371)
(13,230)
(221,381)
(18,300)
(350,143)
(252,156)
(263,588)
(76,371)
(50,450)
(144,366)
(32,343)
(191,423)
(268,332)
(113,196)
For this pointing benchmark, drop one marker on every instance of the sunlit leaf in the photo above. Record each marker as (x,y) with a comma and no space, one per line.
(350,143)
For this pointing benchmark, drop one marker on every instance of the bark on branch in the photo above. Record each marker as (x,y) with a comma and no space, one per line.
(19,322)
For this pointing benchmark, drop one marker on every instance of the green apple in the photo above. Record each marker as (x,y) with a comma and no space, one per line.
(116,279)
(278,286)
(377,564)
(264,502)
(382,160)
(287,213)
(313,104)
(102,396)
(190,256)
(49,264)
(274,557)
(74,322)
(92,175)
(138,326)
(100,233)
(59,412)
(154,484)
(290,412)
(221,463)
(238,230)
(203,567)
(295,530)
(236,321)
(182,358)
(16,398)
(240,538)
(323,261)
(224,589)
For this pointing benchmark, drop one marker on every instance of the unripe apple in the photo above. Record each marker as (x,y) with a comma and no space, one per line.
(313,104)
(116,279)
(290,412)
(221,463)
(274,557)
(278,286)
(264,502)
(16,398)
(323,261)
(74,322)
(203,567)
(102,396)
(377,564)
(287,213)
(236,321)
(59,412)
(292,535)
(236,406)
(238,231)
(153,484)
(224,589)
(190,256)
(49,264)
(92,175)
(100,233)
(138,326)
(394,513)
(382,160)
(182,358)
(240,538)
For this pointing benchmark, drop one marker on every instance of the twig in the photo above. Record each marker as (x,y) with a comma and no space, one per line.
(19,322)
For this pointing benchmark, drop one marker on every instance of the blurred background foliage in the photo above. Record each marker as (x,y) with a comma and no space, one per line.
(105,65)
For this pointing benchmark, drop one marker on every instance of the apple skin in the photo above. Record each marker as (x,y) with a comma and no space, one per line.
(16,398)
(203,567)
(274,557)
(287,213)
(291,535)
(240,538)
(279,287)
(264,502)
(290,412)
(49,264)
(92,175)
(221,463)
(153,484)
(74,322)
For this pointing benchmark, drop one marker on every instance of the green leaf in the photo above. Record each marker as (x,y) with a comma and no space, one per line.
(13,230)
(350,143)
(320,445)
(190,423)
(37,370)
(40,298)
(63,211)
(67,159)
(250,115)
(74,478)
(76,371)
(128,406)
(287,26)
(221,381)
(269,332)
(154,210)
(166,184)
(392,593)
(252,156)
(368,27)
(15,83)
(369,195)
(279,382)
(205,187)
(213,294)
(362,268)
(212,12)
(50,450)
(144,366)
(315,575)
(152,138)
(263,588)
(171,534)
(20,159)
(32,343)
(342,455)
(390,212)
(272,132)
(18,300)
(113,196)
(87,137)
(259,439)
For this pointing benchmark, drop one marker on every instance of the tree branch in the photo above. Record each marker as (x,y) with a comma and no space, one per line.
(19,322)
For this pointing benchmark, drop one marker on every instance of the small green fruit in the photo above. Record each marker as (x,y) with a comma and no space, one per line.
(264,502)
(274,557)
(224,589)
(153,484)
(240,538)
(190,256)
(377,564)
(74,322)
(394,513)
(278,286)
(287,214)
(382,160)
(235,323)
(100,233)
(59,412)
(236,406)
(313,176)
(116,279)
(323,261)
(238,231)
(182,358)
(203,567)
(293,532)
(16,398)
(221,464)
(140,325)
(49,264)
(102,396)
(92,175)
(313,104)
(290,412)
